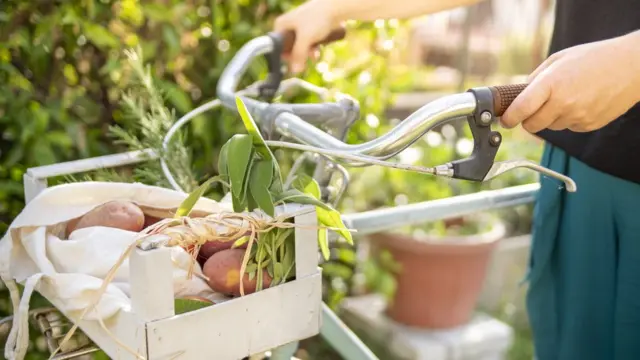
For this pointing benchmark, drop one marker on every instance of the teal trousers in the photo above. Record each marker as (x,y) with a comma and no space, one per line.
(584,273)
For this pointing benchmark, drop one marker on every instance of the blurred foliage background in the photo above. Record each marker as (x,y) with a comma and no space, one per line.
(63,72)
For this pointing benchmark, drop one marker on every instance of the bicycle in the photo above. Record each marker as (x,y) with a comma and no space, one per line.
(304,123)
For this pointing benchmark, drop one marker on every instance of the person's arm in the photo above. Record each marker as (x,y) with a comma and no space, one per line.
(369,10)
(582,88)
(314,20)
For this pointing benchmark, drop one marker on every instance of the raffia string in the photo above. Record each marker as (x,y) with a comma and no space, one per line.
(185,232)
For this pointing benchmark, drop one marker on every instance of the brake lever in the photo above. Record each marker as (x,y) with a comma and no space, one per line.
(481,165)
(501,167)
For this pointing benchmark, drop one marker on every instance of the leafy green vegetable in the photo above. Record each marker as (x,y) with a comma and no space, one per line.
(243,240)
(332,218)
(222,161)
(240,152)
(185,305)
(252,129)
(307,185)
(255,182)
(259,143)
(323,242)
(187,205)
(260,178)
(297,196)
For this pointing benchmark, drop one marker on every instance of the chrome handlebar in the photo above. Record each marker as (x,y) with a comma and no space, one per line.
(290,125)
(300,122)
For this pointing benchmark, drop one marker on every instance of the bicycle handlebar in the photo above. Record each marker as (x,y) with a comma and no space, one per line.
(480,106)
(290,125)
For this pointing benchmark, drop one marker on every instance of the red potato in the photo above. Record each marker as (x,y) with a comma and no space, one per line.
(211,247)
(123,215)
(150,220)
(223,271)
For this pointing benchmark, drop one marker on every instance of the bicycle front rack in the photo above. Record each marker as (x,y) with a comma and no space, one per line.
(54,326)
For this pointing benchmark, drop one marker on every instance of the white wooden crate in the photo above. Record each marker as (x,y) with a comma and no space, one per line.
(229,330)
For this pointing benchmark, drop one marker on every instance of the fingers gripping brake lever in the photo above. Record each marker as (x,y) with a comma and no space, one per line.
(480,166)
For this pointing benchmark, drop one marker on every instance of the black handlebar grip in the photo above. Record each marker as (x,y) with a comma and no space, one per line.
(289,38)
(503,96)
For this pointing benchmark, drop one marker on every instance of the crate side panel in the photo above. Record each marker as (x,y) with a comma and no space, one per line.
(242,326)
(306,244)
(125,328)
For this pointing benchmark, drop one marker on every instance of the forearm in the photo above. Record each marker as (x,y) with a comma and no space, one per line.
(369,10)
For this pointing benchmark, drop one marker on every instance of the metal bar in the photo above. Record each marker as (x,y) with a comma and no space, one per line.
(400,137)
(384,219)
(32,186)
(342,339)
(77,353)
(95,163)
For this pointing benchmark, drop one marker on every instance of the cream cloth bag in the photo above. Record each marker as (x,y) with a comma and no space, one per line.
(69,272)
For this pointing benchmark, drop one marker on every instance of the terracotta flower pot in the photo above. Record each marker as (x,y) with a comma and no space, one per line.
(440,278)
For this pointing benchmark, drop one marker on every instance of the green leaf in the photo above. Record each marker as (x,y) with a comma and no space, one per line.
(252,275)
(70,16)
(288,260)
(251,267)
(276,184)
(251,203)
(259,282)
(348,256)
(99,36)
(157,12)
(259,143)
(323,242)
(307,185)
(187,205)
(271,272)
(332,218)
(243,240)
(252,129)
(238,160)
(258,185)
(265,263)
(288,274)
(238,205)
(177,96)
(245,185)
(222,161)
(261,253)
(185,305)
(278,270)
(282,237)
(297,196)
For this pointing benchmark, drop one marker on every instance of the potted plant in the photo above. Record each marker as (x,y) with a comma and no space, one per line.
(442,267)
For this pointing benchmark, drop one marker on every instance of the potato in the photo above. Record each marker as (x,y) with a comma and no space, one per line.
(223,271)
(211,247)
(150,220)
(123,215)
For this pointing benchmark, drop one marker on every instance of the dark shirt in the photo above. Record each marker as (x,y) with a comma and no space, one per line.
(615,148)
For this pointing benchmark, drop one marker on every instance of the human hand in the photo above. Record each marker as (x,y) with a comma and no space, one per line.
(582,88)
(311,22)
